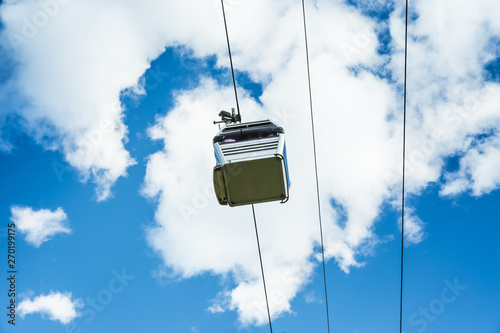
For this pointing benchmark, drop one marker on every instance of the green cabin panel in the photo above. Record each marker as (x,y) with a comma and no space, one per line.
(250,182)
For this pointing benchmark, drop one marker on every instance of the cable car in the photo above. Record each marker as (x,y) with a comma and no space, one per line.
(251,162)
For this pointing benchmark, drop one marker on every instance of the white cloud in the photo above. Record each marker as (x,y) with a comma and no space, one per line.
(197,235)
(414,227)
(479,169)
(75,57)
(448,101)
(39,225)
(57,306)
(216,308)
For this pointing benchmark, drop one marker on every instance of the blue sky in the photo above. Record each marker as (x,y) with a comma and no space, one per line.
(106,160)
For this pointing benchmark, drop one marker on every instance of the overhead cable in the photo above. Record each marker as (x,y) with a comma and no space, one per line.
(230,58)
(316,166)
(403,180)
(253,209)
(262,269)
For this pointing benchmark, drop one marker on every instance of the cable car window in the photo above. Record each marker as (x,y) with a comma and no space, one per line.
(246,134)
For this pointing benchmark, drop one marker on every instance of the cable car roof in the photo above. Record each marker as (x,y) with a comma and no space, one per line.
(248,131)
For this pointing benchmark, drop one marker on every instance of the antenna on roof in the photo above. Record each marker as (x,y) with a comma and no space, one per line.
(229,118)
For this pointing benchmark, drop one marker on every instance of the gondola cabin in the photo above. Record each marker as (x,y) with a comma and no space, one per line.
(251,164)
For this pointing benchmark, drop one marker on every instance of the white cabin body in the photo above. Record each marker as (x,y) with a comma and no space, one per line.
(251,164)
